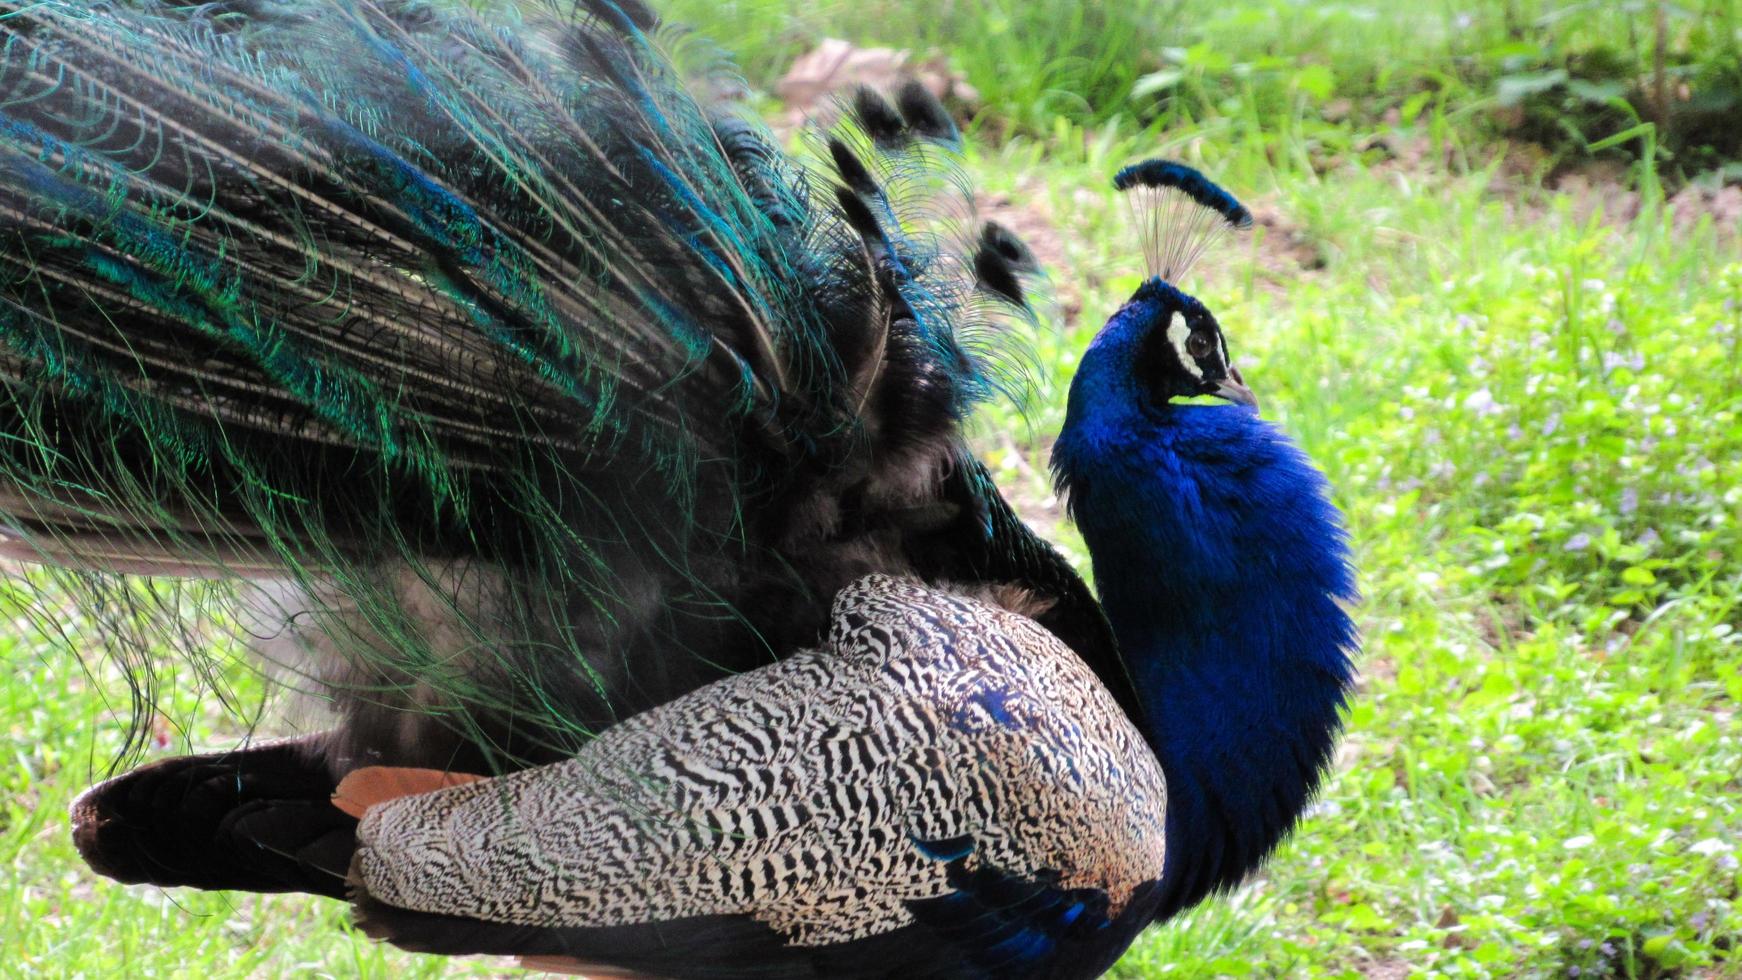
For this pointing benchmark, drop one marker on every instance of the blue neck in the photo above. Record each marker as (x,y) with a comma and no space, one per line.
(1222,566)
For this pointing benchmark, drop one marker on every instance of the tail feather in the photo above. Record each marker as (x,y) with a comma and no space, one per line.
(258,819)
(385,299)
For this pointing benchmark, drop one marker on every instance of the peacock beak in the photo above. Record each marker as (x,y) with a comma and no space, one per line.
(1233,388)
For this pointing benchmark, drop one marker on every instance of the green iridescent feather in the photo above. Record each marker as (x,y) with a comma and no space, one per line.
(516,389)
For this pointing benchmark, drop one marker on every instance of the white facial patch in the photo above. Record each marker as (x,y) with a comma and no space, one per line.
(1177,332)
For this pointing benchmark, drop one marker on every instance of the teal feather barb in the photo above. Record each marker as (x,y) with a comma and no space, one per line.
(518,389)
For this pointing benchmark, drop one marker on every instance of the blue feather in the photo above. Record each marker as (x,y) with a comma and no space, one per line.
(1224,569)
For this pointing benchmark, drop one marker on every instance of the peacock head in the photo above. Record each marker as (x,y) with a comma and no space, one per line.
(1180,351)
(1163,342)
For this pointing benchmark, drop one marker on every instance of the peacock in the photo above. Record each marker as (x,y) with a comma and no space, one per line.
(597,466)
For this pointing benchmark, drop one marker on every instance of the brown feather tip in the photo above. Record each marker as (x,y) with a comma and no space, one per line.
(569,966)
(374,785)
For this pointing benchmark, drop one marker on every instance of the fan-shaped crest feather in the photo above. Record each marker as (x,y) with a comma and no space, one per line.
(1180,213)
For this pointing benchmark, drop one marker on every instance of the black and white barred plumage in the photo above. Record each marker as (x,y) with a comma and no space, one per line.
(826,797)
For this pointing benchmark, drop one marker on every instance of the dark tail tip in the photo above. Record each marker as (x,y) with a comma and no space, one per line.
(880,120)
(860,218)
(1001,261)
(258,820)
(89,824)
(925,115)
(853,170)
(624,15)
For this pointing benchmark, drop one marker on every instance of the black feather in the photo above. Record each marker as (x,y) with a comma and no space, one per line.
(925,115)
(1000,262)
(258,819)
(880,120)
(625,15)
(853,170)
(862,219)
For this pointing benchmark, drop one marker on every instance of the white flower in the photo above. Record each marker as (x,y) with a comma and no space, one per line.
(1709,847)
(1481,401)
(1579,843)
(1616,359)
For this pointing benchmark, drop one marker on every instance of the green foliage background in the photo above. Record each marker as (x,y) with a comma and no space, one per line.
(1496,290)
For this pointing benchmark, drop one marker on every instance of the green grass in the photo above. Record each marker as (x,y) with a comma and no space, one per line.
(1561,73)
(1529,402)
(62,729)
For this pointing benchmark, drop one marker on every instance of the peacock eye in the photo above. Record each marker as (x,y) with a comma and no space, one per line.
(1198,345)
